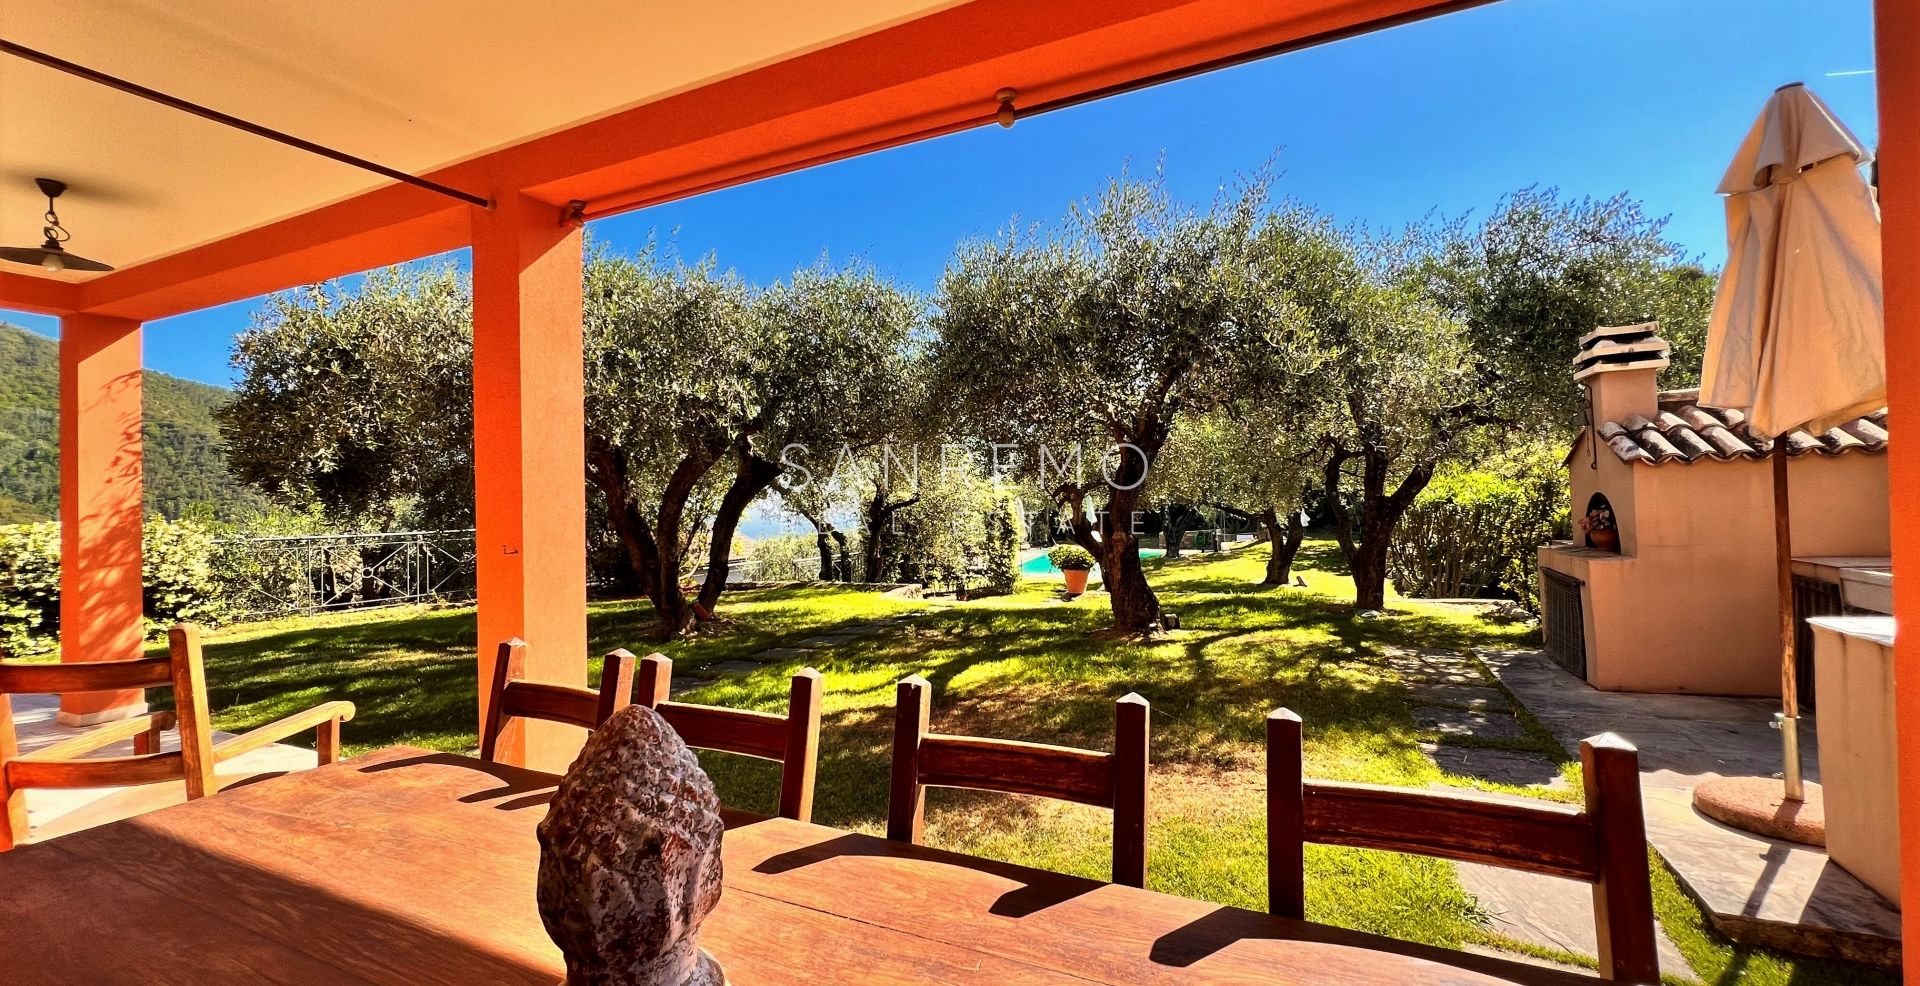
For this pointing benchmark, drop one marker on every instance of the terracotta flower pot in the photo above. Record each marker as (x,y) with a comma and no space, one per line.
(1607,540)
(1076,581)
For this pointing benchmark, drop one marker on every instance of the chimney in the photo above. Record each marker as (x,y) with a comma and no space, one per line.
(1620,366)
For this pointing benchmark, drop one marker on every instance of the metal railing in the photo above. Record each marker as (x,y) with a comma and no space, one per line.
(275,576)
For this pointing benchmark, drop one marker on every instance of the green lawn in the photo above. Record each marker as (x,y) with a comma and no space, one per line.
(1026,666)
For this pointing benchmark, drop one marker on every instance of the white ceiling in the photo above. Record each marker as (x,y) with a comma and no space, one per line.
(413,85)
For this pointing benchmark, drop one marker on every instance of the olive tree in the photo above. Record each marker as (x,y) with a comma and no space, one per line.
(1438,339)
(666,348)
(836,373)
(1540,271)
(360,400)
(697,382)
(1079,345)
(1246,461)
(1395,388)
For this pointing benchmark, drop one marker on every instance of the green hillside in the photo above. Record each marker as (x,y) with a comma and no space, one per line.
(184,466)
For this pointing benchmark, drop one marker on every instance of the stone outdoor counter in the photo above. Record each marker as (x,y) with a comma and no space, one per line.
(1853,658)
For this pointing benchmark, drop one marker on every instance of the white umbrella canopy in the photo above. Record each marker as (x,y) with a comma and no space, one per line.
(1798,337)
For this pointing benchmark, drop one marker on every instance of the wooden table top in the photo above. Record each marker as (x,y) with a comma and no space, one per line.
(405,866)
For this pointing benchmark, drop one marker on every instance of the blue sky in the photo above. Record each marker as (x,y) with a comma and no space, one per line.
(1596,97)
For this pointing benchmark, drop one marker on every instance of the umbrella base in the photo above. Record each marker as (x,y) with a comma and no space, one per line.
(1759,805)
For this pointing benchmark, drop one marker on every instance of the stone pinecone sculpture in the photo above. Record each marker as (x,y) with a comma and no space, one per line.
(630,859)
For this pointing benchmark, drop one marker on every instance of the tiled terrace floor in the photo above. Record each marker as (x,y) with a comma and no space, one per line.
(51,812)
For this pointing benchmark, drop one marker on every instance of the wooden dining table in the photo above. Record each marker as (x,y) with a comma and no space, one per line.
(407,866)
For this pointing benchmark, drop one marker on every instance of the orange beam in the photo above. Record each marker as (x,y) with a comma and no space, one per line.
(935,74)
(529,459)
(100,589)
(924,78)
(1897,37)
(387,226)
(40,295)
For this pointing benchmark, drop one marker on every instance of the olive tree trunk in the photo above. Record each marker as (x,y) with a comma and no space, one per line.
(1285,536)
(654,545)
(1364,539)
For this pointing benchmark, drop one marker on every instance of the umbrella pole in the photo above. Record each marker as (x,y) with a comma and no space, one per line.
(1788,721)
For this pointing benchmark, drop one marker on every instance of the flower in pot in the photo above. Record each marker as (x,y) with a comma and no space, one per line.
(1603,533)
(1073,562)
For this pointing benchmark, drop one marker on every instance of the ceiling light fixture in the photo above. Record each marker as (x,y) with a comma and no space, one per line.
(51,255)
(1007,113)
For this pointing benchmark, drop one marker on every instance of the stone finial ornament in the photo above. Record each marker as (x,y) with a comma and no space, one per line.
(630,859)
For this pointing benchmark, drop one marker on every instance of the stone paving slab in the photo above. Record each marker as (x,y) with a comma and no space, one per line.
(1521,767)
(1776,894)
(1466,722)
(1450,670)
(1477,697)
(830,640)
(781,654)
(736,666)
(1782,895)
(1549,911)
(1546,912)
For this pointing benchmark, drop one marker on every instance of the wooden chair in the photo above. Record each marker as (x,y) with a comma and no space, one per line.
(1604,844)
(792,740)
(513,697)
(1117,780)
(183,669)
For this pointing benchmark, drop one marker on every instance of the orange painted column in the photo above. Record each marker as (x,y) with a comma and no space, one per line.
(529,458)
(100,507)
(1897,40)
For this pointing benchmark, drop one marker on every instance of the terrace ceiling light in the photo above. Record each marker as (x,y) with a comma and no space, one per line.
(51,255)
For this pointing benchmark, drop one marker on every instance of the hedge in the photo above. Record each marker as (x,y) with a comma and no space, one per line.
(177,569)
(1476,534)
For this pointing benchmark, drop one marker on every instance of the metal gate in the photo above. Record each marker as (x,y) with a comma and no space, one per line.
(1566,622)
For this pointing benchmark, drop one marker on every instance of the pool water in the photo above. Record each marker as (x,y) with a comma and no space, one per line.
(1040,566)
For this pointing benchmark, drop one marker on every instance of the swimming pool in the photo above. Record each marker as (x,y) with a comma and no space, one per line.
(1038,566)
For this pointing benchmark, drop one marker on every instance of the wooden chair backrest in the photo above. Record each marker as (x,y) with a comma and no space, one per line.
(58,766)
(792,740)
(1117,780)
(1604,844)
(512,697)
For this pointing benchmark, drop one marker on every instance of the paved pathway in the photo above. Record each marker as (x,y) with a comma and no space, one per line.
(1757,890)
(1477,735)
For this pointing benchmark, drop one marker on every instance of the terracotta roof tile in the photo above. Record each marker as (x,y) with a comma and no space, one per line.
(1686,432)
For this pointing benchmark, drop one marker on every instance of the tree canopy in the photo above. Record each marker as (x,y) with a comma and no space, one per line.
(1138,354)
(360,399)
(1080,345)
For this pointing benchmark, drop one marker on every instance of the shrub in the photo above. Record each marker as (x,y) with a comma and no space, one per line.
(29,588)
(1071,558)
(1002,553)
(1477,534)
(784,558)
(177,570)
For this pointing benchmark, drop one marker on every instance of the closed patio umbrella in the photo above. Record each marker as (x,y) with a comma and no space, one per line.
(1797,338)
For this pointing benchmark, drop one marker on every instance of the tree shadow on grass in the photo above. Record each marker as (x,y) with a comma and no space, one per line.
(413,678)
